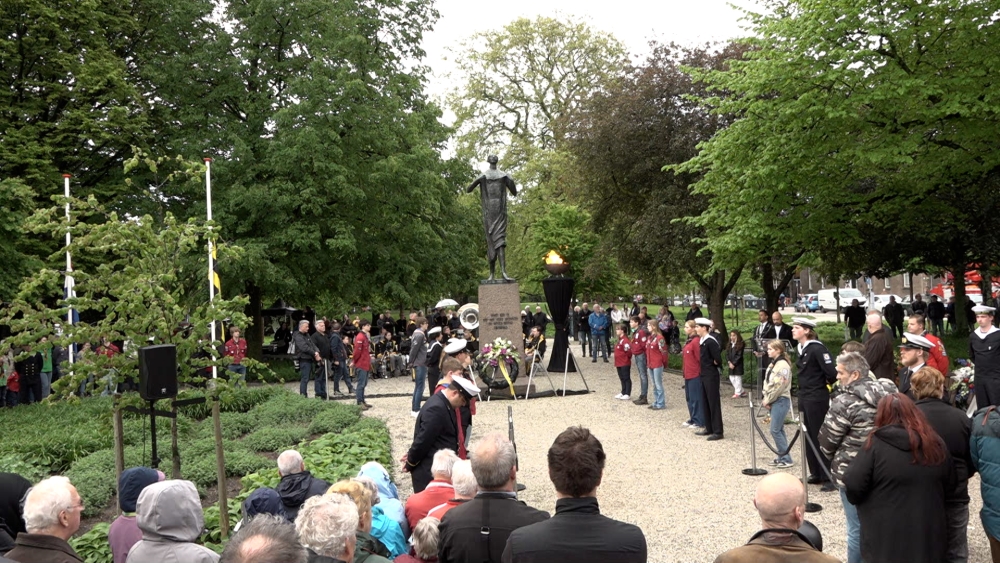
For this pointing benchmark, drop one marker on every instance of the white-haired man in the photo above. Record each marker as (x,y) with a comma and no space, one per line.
(51,515)
(466,487)
(878,348)
(438,491)
(327,525)
(297,485)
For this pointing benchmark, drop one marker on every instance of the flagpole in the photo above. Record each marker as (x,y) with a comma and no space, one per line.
(69,265)
(211,248)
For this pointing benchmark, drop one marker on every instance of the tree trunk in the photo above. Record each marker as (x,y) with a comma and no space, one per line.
(767,286)
(961,327)
(716,288)
(254,334)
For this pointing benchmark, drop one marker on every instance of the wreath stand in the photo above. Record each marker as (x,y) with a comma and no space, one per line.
(579,369)
(536,361)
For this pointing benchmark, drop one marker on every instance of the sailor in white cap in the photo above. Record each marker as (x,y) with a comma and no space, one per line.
(816,371)
(458,348)
(984,351)
(437,428)
(711,366)
(913,354)
(435,352)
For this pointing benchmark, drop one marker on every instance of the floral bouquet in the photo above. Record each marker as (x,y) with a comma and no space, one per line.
(962,383)
(500,350)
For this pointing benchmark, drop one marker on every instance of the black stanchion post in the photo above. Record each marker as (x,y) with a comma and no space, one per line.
(753,469)
(810,506)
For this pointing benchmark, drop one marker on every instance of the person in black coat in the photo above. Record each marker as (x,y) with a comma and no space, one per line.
(711,368)
(901,482)
(734,359)
(437,429)
(816,371)
(576,467)
(30,369)
(779,329)
(955,428)
(477,530)
(13,487)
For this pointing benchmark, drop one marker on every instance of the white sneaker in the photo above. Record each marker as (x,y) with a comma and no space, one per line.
(618,396)
(414,414)
(686,425)
(624,397)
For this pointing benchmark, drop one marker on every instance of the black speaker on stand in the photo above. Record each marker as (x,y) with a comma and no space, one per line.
(157,380)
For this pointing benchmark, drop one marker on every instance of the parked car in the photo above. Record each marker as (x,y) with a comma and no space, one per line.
(828,301)
(807,304)
(880,301)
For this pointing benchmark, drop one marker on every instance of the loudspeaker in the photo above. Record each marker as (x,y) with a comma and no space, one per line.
(158,372)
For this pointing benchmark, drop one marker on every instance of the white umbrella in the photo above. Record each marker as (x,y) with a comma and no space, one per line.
(446,303)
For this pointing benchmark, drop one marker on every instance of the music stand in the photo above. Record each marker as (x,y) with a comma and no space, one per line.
(536,361)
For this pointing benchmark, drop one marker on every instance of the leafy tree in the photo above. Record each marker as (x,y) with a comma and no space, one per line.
(622,140)
(864,135)
(147,285)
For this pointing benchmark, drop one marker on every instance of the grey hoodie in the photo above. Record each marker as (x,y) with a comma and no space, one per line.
(170,517)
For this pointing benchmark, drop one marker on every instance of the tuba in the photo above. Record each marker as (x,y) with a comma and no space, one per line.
(468,314)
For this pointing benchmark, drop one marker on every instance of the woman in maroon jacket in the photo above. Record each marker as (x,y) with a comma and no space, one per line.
(691,356)
(656,359)
(623,362)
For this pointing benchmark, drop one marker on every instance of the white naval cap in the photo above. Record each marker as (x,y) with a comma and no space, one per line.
(983,309)
(703,321)
(434,331)
(466,387)
(802,321)
(455,345)
(916,342)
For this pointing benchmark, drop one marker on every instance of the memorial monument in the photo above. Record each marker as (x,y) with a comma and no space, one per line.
(499,298)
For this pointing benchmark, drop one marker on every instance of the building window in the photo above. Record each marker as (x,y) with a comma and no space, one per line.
(906,281)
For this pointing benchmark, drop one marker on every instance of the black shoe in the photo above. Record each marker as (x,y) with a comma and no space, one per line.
(828,487)
(641,401)
(703,433)
(714,437)
(605,360)
(814,480)
(594,361)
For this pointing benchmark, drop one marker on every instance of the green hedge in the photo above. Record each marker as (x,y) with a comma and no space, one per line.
(274,438)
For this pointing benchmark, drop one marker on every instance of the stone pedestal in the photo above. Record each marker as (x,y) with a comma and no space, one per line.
(500,315)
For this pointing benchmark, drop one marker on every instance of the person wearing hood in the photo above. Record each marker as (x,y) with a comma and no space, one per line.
(170,516)
(388,496)
(845,430)
(264,500)
(984,448)
(124,531)
(13,487)
(296,484)
(901,482)
(368,549)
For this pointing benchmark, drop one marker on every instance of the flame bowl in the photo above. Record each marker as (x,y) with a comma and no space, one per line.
(557,269)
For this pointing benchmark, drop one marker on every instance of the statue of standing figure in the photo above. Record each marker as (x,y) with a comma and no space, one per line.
(493,186)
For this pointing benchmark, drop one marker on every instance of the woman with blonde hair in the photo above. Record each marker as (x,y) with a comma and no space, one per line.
(368,548)
(778,397)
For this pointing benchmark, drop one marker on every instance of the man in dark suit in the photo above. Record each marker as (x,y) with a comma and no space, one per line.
(478,529)
(779,329)
(436,429)
(854,317)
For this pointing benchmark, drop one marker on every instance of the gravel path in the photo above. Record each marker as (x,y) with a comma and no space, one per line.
(688,495)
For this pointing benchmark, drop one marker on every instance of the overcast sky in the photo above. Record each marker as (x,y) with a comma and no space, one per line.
(634,23)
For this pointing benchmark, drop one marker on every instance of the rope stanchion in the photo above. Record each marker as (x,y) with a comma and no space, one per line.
(810,506)
(753,470)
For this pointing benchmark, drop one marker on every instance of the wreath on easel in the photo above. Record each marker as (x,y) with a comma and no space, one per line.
(498,364)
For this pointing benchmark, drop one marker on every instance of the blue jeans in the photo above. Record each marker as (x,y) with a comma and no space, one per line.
(362,382)
(659,398)
(240,369)
(853,529)
(640,364)
(779,409)
(692,393)
(597,341)
(420,373)
(340,373)
(305,370)
(46,383)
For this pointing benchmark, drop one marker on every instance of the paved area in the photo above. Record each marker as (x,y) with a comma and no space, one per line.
(688,495)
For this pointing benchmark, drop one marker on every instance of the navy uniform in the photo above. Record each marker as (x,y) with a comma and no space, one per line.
(436,429)
(912,342)
(816,370)
(984,351)
(711,364)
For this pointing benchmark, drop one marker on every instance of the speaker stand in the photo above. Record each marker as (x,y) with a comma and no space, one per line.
(154,459)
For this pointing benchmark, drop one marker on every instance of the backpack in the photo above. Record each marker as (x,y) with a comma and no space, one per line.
(14,382)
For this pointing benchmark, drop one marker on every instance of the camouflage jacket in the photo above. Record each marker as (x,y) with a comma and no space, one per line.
(849,421)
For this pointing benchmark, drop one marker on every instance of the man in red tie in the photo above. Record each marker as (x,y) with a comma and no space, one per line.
(437,428)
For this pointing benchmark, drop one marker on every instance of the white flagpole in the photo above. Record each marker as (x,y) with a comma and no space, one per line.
(69,265)
(211,265)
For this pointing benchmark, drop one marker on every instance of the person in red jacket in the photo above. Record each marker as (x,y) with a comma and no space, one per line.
(691,356)
(236,350)
(639,338)
(656,359)
(623,362)
(362,362)
(938,356)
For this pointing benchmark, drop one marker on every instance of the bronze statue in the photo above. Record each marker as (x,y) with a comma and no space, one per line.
(492,187)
